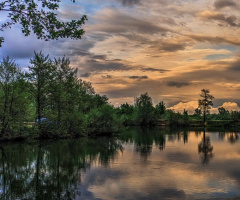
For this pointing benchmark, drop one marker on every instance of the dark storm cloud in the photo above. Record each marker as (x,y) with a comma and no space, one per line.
(155,70)
(130,2)
(177,84)
(224,3)
(138,77)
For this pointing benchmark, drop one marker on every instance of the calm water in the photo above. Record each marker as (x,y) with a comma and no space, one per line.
(138,164)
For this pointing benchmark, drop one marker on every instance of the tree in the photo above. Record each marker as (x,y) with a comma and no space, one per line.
(145,110)
(160,109)
(41,74)
(13,97)
(205,104)
(38,16)
(197,111)
(222,111)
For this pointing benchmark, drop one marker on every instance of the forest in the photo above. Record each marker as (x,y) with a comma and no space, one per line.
(50,101)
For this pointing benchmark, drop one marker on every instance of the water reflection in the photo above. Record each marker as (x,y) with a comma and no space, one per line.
(140,163)
(51,170)
(232,137)
(205,149)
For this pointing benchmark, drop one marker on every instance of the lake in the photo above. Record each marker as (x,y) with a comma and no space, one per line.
(139,163)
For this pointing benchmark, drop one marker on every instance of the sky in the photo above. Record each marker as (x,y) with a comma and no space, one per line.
(170,49)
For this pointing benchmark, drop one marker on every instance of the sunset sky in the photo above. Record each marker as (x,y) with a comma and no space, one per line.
(169,48)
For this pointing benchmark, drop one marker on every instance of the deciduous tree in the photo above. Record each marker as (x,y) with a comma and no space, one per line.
(38,16)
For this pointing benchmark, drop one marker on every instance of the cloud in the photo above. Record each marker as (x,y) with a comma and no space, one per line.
(192,105)
(86,75)
(113,21)
(107,76)
(217,16)
(189,106)
(16,45)
(177,84)
(231,106)
(130,2)
(138,77)
(171,47)
(219,4)
(235,66)
(213,39)
(155,70)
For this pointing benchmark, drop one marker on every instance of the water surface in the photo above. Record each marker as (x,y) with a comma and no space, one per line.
(138,164)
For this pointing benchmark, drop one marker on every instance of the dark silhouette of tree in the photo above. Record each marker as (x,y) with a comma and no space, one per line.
(145,110)
(39,16)
(160,109)
(205,104)
(205,149)
(197,111)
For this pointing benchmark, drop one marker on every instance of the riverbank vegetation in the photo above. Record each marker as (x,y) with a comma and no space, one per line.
(49,101)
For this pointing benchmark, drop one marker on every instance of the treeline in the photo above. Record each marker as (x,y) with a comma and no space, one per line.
(144,113)
(49,101)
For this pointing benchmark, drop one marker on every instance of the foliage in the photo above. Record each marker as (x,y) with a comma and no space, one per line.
(12,94)
(205,103)
(51,91)
(145,114)
(160,109)
(103,120)
(39,16)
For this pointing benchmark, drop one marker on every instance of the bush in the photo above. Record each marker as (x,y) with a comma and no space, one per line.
(103,120)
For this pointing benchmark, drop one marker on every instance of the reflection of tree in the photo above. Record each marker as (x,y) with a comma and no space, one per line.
(51,170)
(205,149)
(145,139)
(232,136)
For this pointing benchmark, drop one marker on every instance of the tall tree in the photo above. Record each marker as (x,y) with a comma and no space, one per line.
(145,110)
(39,16)
(160,109)
(40,75)
(205,103)
(12,94)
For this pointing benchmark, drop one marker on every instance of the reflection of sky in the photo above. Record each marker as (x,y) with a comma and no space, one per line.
(175,172)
